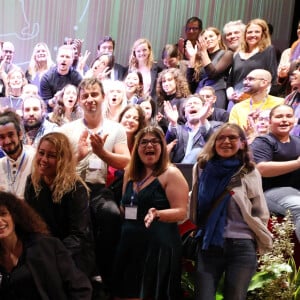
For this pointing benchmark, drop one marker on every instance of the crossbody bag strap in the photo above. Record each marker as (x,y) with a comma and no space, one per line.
(215,205)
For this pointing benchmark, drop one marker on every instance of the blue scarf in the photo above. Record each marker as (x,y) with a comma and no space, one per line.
(212,182)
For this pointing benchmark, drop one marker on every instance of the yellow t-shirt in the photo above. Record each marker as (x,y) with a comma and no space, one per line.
(240,111)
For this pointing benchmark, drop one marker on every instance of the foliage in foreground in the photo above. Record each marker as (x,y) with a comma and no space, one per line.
(277,277)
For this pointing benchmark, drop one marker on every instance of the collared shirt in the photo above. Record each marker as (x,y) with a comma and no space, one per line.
(13,173)
(191,153)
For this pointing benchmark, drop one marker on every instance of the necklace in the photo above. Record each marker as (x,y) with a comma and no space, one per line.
(260,106)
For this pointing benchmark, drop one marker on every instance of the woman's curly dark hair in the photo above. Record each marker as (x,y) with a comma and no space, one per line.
(25,219)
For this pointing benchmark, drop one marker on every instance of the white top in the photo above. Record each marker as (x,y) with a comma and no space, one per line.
(13,173)
(92,169)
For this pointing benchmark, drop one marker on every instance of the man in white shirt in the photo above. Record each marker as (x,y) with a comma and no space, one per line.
(99,143)
(15,166)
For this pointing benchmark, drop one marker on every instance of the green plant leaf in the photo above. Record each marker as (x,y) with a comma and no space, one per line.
(297,294)
(293,274)
(259,279)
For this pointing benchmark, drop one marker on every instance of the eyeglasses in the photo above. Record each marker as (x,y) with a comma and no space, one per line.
(231,138)
(192,28)
(250,79)
(145,142)
(87,95)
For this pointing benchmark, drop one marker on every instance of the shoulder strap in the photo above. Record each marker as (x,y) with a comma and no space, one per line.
(214,206)
(234,182)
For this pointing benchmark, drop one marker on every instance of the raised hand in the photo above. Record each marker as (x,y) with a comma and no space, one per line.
(190,50)
(83,146)
(171,112)
(97,143)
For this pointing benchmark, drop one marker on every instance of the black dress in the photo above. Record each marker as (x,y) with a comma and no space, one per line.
(147,263)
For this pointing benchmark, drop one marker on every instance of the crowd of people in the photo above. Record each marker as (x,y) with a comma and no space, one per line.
(218,100)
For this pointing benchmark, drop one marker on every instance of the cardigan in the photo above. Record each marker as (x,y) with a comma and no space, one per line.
(250,199)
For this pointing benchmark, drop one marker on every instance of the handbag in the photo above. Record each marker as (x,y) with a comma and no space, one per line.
(190,244)
(191,240)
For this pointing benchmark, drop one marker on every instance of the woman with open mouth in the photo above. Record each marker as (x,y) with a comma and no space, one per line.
(155,193)
(66,108)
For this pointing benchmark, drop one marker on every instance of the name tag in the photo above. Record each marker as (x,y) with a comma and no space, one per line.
(130,212)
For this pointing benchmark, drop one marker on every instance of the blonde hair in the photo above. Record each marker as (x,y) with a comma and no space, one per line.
(111,85)
(265,36)
(9,75)
(66,176)
(133,62)
(33,67)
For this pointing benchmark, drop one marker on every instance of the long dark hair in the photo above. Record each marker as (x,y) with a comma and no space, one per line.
(136,166)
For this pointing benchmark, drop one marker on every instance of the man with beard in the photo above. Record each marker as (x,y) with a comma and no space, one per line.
(15,166)
(59,76)
(188,139)
(35,123)
(257,85)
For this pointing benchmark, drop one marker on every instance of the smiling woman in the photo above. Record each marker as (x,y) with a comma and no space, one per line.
(230,229)
(28,254)
(256,52)
(61,198)
(154,200)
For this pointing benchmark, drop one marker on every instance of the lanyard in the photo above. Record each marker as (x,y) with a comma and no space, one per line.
(259,107)
(138,185)
(12,178)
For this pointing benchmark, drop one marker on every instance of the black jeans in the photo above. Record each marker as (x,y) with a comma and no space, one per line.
(106,220)
(237,260)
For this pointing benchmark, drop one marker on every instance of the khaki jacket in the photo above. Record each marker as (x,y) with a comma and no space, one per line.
(250,199)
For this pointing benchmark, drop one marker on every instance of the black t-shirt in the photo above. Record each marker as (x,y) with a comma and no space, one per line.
(268,148)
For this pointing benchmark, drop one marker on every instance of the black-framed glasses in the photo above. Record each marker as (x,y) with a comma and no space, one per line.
(153,142)
(232,138)
(87,95)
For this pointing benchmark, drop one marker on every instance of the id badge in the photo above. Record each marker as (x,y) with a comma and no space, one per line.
(130,212)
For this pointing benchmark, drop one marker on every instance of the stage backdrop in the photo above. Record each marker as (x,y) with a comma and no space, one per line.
(26,22)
